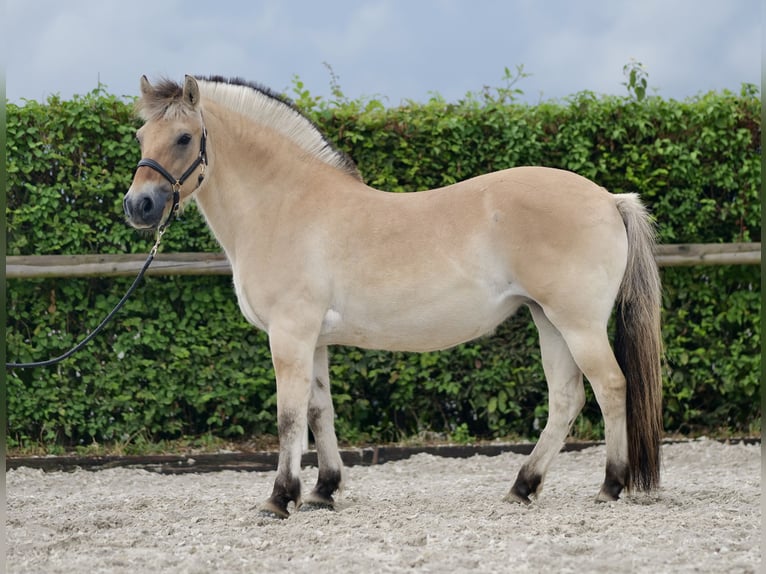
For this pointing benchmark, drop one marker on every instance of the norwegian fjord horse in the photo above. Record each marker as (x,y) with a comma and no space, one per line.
(319,258)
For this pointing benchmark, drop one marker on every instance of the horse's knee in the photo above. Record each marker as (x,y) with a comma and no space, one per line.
(315,418)
(320,409)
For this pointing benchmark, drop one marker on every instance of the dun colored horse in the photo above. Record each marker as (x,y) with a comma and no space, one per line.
(319,258)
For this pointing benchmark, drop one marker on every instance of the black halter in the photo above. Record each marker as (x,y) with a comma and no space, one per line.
(178,182)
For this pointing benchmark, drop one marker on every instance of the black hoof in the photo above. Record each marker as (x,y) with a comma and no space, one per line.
(614,482)
(272,509)
(286,490)
(526,485)
(515,496)
(318,499)
(610,491)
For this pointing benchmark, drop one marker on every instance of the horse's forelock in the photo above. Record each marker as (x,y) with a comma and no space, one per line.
(156,104)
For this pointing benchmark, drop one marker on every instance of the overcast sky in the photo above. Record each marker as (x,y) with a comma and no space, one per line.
(390,49)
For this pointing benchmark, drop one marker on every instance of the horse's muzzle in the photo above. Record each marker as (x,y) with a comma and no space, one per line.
(144,209)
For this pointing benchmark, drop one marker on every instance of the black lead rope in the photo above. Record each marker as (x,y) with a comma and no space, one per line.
(93,333)
(113,312)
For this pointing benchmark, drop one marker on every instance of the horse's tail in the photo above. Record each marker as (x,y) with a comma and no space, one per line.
(638,344)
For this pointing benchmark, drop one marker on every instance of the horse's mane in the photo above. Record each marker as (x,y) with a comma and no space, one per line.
(258,103)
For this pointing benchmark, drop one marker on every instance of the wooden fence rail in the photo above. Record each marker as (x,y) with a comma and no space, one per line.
(109,265)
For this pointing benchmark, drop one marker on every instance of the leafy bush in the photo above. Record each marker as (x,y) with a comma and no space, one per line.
(180,359)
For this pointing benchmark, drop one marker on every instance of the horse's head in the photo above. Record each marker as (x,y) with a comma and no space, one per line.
(173,147)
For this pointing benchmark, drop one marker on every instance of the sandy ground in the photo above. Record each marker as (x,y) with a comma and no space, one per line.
(424,514)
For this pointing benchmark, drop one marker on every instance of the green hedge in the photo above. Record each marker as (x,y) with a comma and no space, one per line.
(180,360)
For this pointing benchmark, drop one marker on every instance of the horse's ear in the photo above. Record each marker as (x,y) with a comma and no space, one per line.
(146,87)
(191,91)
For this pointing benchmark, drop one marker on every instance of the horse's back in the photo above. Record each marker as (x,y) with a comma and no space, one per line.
(545,226)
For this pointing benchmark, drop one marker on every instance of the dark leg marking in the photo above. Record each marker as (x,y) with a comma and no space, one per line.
(616,478)
(285,424)
(527,483)
(319,383)
(285,490)
(327,483)
(320,419)
(314,417)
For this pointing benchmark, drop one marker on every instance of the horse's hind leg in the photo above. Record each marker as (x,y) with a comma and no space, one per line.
(321,419)
(566,397)
(595,357)
(588,344)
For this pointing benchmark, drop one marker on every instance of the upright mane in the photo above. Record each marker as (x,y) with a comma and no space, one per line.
(258,103)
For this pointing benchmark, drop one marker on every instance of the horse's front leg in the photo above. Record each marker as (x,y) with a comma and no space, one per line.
(292,352)
(321,419)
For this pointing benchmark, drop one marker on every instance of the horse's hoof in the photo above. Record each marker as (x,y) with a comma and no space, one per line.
(610,490)
(528,483)
(271,509)
(315,501)
(515,497)
(605,496)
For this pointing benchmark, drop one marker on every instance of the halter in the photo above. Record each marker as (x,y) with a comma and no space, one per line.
(178,182)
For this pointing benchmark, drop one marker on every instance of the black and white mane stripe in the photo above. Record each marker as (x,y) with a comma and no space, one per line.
(277,112)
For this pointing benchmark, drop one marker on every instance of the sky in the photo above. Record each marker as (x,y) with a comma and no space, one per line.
(391,50)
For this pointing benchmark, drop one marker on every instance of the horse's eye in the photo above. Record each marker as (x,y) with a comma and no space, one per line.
(184,139)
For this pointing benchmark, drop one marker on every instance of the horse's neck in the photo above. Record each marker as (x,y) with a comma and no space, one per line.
(253,171)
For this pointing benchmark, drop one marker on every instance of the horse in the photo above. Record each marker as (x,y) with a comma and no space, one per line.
(319,258)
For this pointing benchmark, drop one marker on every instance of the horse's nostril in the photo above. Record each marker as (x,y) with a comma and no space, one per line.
(144,208)
(147,205)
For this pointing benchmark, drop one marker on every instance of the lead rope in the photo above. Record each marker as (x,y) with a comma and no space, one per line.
(160,232)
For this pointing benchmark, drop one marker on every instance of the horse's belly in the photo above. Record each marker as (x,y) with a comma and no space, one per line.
(430,326)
